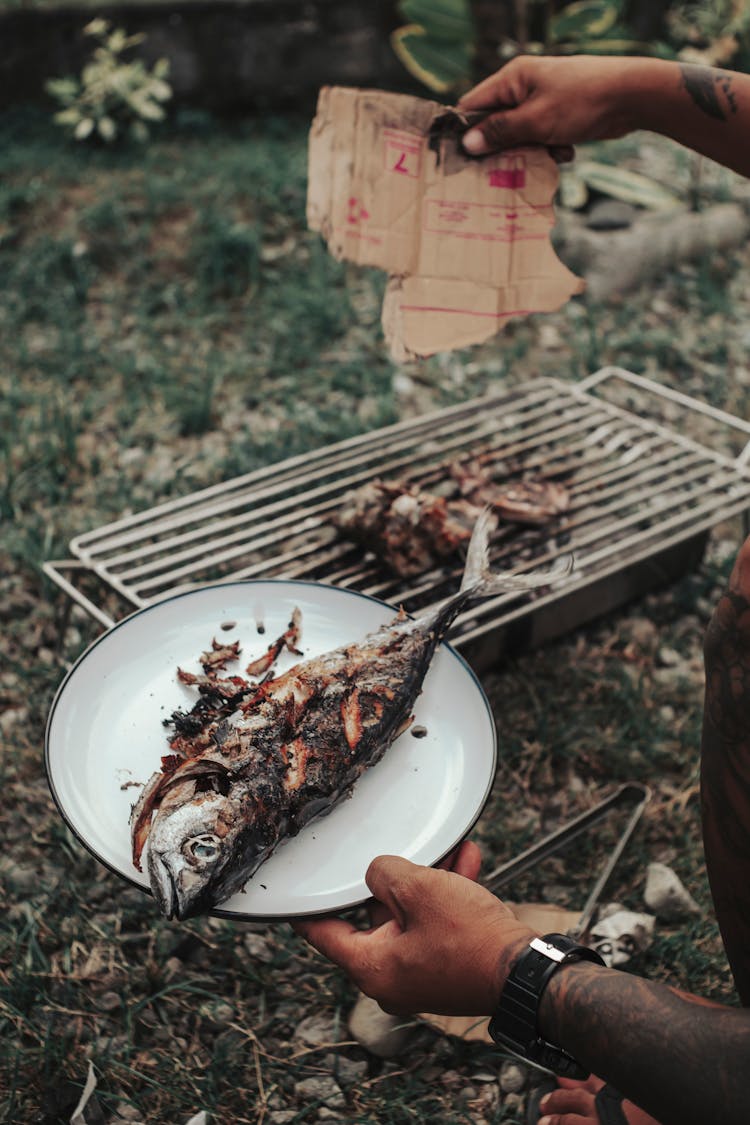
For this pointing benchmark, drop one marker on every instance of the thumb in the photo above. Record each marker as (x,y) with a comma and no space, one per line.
(391,880)
(509,128)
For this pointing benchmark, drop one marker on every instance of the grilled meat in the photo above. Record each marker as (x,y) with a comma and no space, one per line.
(414,530)
(292,748)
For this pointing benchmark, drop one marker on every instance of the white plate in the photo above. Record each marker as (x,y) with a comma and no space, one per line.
(105,732)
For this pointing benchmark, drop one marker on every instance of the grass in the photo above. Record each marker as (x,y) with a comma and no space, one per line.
(166,321)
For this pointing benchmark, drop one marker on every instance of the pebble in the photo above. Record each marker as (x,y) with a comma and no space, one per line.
(21,877)
(321,1088)
(403,384)
(643,632)
(258,948)
(666,895)
(109,1001)
(318,1029)
(610,214)
(379,1033)
(347,1072)
(126,1112)
(514,1104)
(512,1077)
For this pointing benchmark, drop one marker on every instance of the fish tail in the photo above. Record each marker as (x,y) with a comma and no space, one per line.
(479,581)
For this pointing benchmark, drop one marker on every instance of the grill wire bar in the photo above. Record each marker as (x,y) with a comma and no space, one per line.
(643,499)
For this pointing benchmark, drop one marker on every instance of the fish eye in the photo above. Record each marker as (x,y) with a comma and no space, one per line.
(201,849)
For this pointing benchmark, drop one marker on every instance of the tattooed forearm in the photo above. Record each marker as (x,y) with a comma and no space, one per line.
(676,1057)
(711,90)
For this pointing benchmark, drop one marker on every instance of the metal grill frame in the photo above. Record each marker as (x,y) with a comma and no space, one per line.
(644,500)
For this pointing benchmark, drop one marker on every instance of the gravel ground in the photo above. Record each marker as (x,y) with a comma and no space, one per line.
(243,1021)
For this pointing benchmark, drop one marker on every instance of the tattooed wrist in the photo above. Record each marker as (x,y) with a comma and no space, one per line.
(710,89)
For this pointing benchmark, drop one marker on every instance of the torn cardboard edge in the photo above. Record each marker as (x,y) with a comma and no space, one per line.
(465,241)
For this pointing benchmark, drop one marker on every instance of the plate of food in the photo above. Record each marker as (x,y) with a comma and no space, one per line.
(252,780)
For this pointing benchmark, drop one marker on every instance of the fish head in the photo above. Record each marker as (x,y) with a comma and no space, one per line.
(202,847)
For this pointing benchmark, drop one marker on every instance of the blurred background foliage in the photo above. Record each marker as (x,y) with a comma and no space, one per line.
(438,43)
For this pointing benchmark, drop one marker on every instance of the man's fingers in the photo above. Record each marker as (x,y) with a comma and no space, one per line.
(569,1106)
(492,93)
(467,860)
(567,1119)
(506,129)
(333,937)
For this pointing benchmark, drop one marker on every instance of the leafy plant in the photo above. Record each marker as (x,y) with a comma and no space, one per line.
(113,97)
(437,45)
(615,182)
(716,34)
(596,27)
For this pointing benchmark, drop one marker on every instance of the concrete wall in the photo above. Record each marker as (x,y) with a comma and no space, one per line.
(226,55)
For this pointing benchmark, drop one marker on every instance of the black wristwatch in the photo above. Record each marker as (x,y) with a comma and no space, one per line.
(515,1023)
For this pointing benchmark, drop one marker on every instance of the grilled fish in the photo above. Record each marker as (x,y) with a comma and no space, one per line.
(292,747)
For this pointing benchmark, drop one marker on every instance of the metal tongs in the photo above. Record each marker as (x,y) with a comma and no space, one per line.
(629,794)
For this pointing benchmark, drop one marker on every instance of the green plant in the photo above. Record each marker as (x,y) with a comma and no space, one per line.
(595,27)
(437,44)
(113,97)
(717,34)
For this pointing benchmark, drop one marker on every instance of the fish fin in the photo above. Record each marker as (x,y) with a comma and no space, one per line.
(478,580)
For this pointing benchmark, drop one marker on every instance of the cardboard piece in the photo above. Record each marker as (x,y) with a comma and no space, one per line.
(538,916)
(464,240)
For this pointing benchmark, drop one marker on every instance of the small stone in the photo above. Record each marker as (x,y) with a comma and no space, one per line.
(126,1112)
(486,1103)
(643,632)
(403,384)
(109,1001)
(379,1033)
(257,946)
(217,1010)
(666,895)
(20,877)
(347,1072)
(321,1088)
(610,214)
(514,1103)
(317,1029)
(512,1077)
(549,337)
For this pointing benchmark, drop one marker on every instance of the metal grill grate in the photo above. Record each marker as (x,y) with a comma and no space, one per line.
(643,499)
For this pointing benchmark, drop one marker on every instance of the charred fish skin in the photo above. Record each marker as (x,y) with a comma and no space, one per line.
(293,749)
(289,759)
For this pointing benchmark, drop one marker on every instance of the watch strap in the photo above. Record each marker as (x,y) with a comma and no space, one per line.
(515,1023)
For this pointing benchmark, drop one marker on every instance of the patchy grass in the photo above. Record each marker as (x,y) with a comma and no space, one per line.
(167,321)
